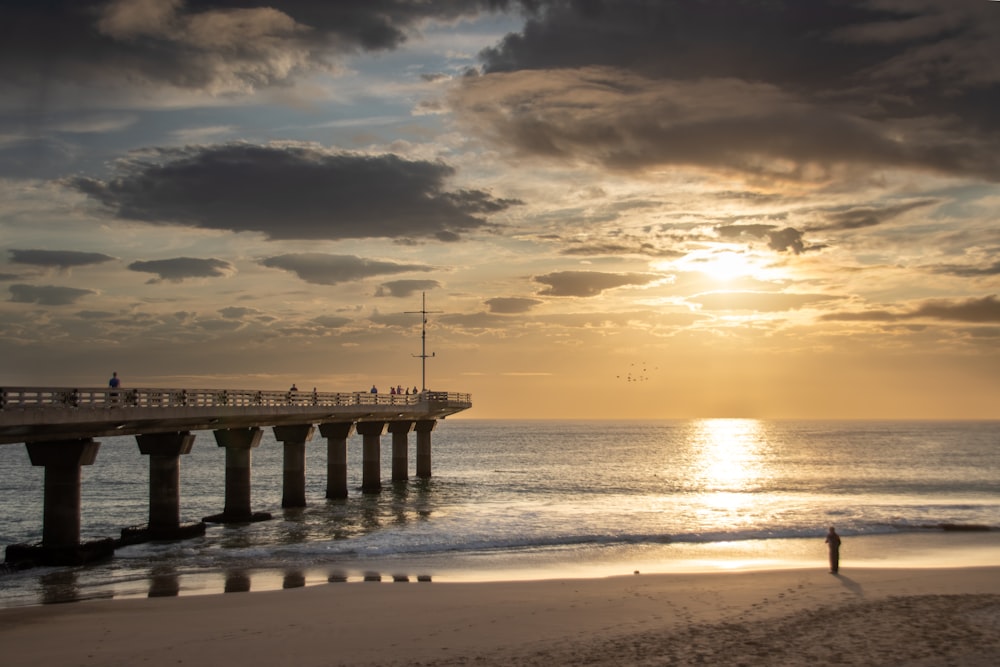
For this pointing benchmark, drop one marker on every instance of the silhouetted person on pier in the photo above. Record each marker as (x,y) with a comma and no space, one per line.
(374,390)
(114,382)
(294,388)
(833,543)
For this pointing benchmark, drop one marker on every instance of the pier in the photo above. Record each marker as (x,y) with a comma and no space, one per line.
(61,426)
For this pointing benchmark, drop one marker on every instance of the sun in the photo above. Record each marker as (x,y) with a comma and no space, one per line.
(724,265)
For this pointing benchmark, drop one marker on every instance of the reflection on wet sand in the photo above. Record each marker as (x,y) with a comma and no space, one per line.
(237,581)
(64,586)
(164,583)
(293,579)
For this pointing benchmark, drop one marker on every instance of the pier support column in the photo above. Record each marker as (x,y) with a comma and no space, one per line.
(294,437)
(400,432)
(164,451)
(61,545)
(336,457)
(239,444)
(424,428)
(371,454)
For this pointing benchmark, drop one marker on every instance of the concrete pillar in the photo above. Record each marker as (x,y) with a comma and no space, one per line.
(239,444)
(371,432)
(400,432)
(424,428)
(294,437)
(336,457)
(164,451)
(62,460)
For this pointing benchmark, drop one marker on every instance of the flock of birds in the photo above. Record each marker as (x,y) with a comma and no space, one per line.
(637,372)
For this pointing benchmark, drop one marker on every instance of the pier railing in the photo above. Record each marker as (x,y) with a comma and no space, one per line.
(42,398)
(34,414)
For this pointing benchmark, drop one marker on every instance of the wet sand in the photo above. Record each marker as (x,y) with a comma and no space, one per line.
(868,616)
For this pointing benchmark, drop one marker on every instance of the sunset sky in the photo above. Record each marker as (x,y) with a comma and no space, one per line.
(616,208)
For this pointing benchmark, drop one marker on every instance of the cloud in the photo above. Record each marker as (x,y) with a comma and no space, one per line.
(405,288)
(323,269)
(61,259)
(985,310)
(292,192)
(331,321)
(870,216)
(511,305)
(230,48)
(968,271)
(761,302)
(637,85)
(237,313)
(636,247)
(179,268)
(47,295)
(589,283)
(780,240)
(626,122)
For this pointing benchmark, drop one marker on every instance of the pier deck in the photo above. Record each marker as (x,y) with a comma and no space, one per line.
(39,414)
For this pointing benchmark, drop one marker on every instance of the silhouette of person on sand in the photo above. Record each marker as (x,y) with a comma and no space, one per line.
(833,543)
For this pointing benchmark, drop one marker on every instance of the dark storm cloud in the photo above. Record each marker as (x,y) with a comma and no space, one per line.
(293,193)
(179,268)
(974,311)
(47,295)
(323,269)
(781,89)
(219,46)
(589,283)
(61,259)
(405,288)
(511,305)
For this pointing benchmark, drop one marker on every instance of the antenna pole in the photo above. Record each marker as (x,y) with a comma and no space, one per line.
(423,356)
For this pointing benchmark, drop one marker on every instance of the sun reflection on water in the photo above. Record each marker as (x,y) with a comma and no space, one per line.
(728,464)
(729,453)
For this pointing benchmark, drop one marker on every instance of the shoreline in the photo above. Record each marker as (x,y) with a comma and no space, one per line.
(46,586)
(773,617)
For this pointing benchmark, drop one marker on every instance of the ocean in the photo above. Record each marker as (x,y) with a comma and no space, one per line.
(540,499)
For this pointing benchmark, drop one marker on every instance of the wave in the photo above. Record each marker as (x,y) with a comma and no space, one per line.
(371,547)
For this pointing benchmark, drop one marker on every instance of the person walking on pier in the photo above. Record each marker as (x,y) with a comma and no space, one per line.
(114,382)
(833,543)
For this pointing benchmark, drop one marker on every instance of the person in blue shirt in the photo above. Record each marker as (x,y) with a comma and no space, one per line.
(114,382)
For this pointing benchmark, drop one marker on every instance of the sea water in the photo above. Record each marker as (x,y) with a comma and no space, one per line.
(540,499)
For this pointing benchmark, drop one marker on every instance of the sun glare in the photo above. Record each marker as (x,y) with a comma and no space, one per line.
(725,266)
(730,452)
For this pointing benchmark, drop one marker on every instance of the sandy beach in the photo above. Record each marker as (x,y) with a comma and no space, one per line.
(876,616)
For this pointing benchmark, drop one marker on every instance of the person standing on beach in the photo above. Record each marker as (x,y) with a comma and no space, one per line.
(833,543)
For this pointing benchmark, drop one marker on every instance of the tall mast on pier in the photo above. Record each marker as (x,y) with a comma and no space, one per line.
(423,356)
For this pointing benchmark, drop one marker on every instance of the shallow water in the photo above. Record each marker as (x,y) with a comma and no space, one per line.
(514,499)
